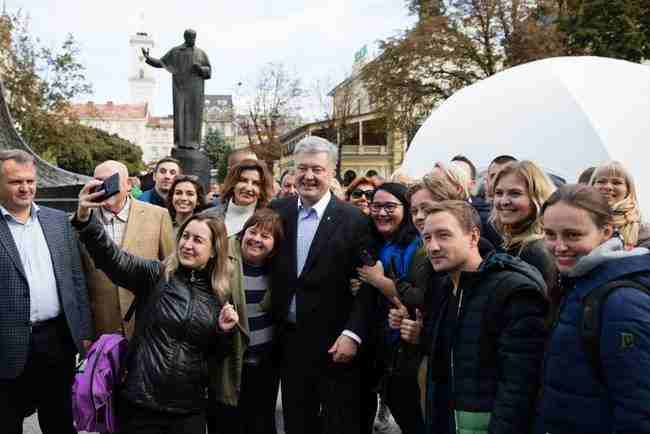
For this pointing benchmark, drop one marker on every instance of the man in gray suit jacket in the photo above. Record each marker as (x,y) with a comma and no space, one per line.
(44,312)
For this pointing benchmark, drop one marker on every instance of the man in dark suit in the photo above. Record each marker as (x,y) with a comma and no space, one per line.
(322,323)
(44,312)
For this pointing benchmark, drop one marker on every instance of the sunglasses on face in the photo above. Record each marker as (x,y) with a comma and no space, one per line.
(356,194)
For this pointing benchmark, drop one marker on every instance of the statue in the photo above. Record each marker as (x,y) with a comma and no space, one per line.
(189,67)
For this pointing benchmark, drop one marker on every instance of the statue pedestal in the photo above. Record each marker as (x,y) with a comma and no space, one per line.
(194,162)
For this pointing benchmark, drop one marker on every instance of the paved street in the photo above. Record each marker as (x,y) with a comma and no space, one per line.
(31,425)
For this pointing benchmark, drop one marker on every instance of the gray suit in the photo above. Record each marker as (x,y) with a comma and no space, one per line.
(15,328)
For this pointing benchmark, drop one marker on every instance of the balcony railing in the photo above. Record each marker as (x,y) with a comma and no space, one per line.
(365,150)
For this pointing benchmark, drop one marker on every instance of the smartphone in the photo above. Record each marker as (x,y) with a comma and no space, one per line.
(367,258)
(110,186)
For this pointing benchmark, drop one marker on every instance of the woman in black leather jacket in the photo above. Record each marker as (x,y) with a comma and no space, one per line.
(181,319)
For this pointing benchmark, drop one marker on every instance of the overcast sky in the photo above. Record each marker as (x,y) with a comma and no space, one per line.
(315,38)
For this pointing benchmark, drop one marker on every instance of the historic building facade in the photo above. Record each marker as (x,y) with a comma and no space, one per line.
(357,127)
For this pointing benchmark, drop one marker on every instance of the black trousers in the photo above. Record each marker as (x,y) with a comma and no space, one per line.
(318,395)
(139,420)
(44,385)
(403,400)
(255,412)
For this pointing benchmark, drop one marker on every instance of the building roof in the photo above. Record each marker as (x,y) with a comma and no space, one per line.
(111,110)
(222,102)
(161,121)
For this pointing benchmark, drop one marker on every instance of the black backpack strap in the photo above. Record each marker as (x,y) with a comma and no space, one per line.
(590,325)
(132,307)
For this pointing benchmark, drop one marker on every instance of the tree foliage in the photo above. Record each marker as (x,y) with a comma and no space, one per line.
(274,102)
(453,44)
(41,84)
(217,151)
(619,29)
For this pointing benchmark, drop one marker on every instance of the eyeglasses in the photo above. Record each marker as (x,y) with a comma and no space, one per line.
(389,207)
(356,194)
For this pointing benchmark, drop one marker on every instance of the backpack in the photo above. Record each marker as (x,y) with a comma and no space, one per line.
(589,328)
(94,391)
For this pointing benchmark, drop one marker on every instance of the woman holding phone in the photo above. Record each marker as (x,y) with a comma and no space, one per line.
(183,318)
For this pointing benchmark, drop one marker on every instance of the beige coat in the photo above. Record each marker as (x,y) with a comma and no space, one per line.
(149,235)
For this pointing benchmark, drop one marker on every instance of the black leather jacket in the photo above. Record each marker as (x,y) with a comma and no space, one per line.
(176,328)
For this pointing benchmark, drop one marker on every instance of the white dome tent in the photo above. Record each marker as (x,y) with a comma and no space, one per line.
(564,113)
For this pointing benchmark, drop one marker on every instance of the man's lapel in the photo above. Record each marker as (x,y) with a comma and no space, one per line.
(7,241)
(323,233)
(132,225)
(292,235)
(54,237)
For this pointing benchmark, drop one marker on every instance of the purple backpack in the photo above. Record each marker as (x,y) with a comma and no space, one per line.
(94,390)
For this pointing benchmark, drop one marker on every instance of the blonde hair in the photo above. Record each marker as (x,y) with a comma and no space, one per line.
(442,184)
(626,216)
(459,179)
(221,267)
(538,188)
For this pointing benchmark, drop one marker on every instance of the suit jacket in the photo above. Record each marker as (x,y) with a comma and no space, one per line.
(324,302)
(15,326)
(149,235)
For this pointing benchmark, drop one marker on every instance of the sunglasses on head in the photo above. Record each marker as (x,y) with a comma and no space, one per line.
(356,194)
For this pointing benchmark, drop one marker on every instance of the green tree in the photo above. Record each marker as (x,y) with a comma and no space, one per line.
(41,84)
(453,44)
(217,151)
(619,29)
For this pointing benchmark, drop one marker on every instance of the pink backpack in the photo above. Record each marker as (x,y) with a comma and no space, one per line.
(94,390)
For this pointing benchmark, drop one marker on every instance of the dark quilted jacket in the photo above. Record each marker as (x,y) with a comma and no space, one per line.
(573,399)
(498,345)
(177,327)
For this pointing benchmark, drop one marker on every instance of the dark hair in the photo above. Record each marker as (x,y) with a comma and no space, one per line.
(371,173)
(503,159)
(168,160)
(266,181)
(200,194)
(348,177)
(585,176)
(583,197)
(467,161)
(268,220)
(406,232)
(463,212)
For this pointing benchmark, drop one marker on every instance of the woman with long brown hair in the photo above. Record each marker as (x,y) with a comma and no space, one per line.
(248,187)
(182,319)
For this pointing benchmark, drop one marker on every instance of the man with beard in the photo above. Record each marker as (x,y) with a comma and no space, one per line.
(485,331)
(140,229)
(322,326)
(164,174)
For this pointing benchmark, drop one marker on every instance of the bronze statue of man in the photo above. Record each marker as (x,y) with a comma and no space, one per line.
(189,67)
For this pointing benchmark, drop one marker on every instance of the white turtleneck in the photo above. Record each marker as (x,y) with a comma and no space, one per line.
(236,216)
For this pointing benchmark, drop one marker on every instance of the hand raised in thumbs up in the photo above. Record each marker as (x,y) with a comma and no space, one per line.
(397,314)
(410,330)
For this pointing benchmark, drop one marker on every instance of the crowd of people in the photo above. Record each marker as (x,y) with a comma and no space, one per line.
(508,303)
